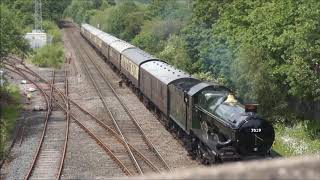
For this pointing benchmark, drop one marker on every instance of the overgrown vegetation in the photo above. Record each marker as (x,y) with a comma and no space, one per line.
(11,36)
(21,12)
(50,55)
(266,51)
(11,39)
(10,106)
(299,139)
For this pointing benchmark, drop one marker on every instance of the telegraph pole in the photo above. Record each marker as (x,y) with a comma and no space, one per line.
(37,15)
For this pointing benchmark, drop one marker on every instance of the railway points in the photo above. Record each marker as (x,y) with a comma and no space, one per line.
(150,154)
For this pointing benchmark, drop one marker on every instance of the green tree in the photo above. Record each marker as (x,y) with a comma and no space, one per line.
(124,20)
(11,37)
(77,10)
(287,31)
(161,8)
(53,10)
(154,34)
(175,53)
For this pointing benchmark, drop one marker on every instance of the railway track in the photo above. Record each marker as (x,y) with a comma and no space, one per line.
(67,104)
(94,135)
(127,123)
(126,155)
(64,105)
(144,157)
(48,159)
(44,161)
(142,142)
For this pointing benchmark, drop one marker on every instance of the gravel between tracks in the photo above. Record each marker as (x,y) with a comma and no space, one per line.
(20,158)
(85,159)
(169,147)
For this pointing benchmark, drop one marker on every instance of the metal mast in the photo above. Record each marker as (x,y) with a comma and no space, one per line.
(37,15)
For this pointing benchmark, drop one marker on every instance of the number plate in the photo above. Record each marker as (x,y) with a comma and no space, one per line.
(255,130)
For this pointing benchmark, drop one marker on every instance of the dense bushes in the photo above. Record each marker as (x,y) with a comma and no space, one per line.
(154,34)
(123,21)
(51,55)
(266,51)
(282,41)
(52,29)
(16,20)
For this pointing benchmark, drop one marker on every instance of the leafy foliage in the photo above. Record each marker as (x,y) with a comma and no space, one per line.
(50,55)
(52,29)
(154,33)
(81,11)
(267,51)
(11,37)
(176,54)
(297,139)
(10,99)
(161,8)
(287,31)
(51,10)
(124,20)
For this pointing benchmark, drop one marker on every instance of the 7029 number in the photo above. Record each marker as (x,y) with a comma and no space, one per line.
(255,130)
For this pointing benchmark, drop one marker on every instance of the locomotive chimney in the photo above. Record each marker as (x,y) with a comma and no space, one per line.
(251,108)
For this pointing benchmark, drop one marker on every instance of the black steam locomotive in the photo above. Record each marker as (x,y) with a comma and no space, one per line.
(214,125)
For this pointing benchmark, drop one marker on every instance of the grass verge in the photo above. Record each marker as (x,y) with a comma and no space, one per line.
(10,108)
(299,139)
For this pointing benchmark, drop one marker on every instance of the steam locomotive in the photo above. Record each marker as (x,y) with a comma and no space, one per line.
(213,124)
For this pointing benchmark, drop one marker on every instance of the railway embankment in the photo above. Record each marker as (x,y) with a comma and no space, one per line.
(9,113)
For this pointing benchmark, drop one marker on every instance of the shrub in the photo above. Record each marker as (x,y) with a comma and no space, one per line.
(52,29)
(9,113)
(51,55)
(155,33)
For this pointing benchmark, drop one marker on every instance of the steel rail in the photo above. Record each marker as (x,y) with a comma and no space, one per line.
(49,108)
(115,123)
(148,142)
(108,128)
(66,86)
(104,146)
